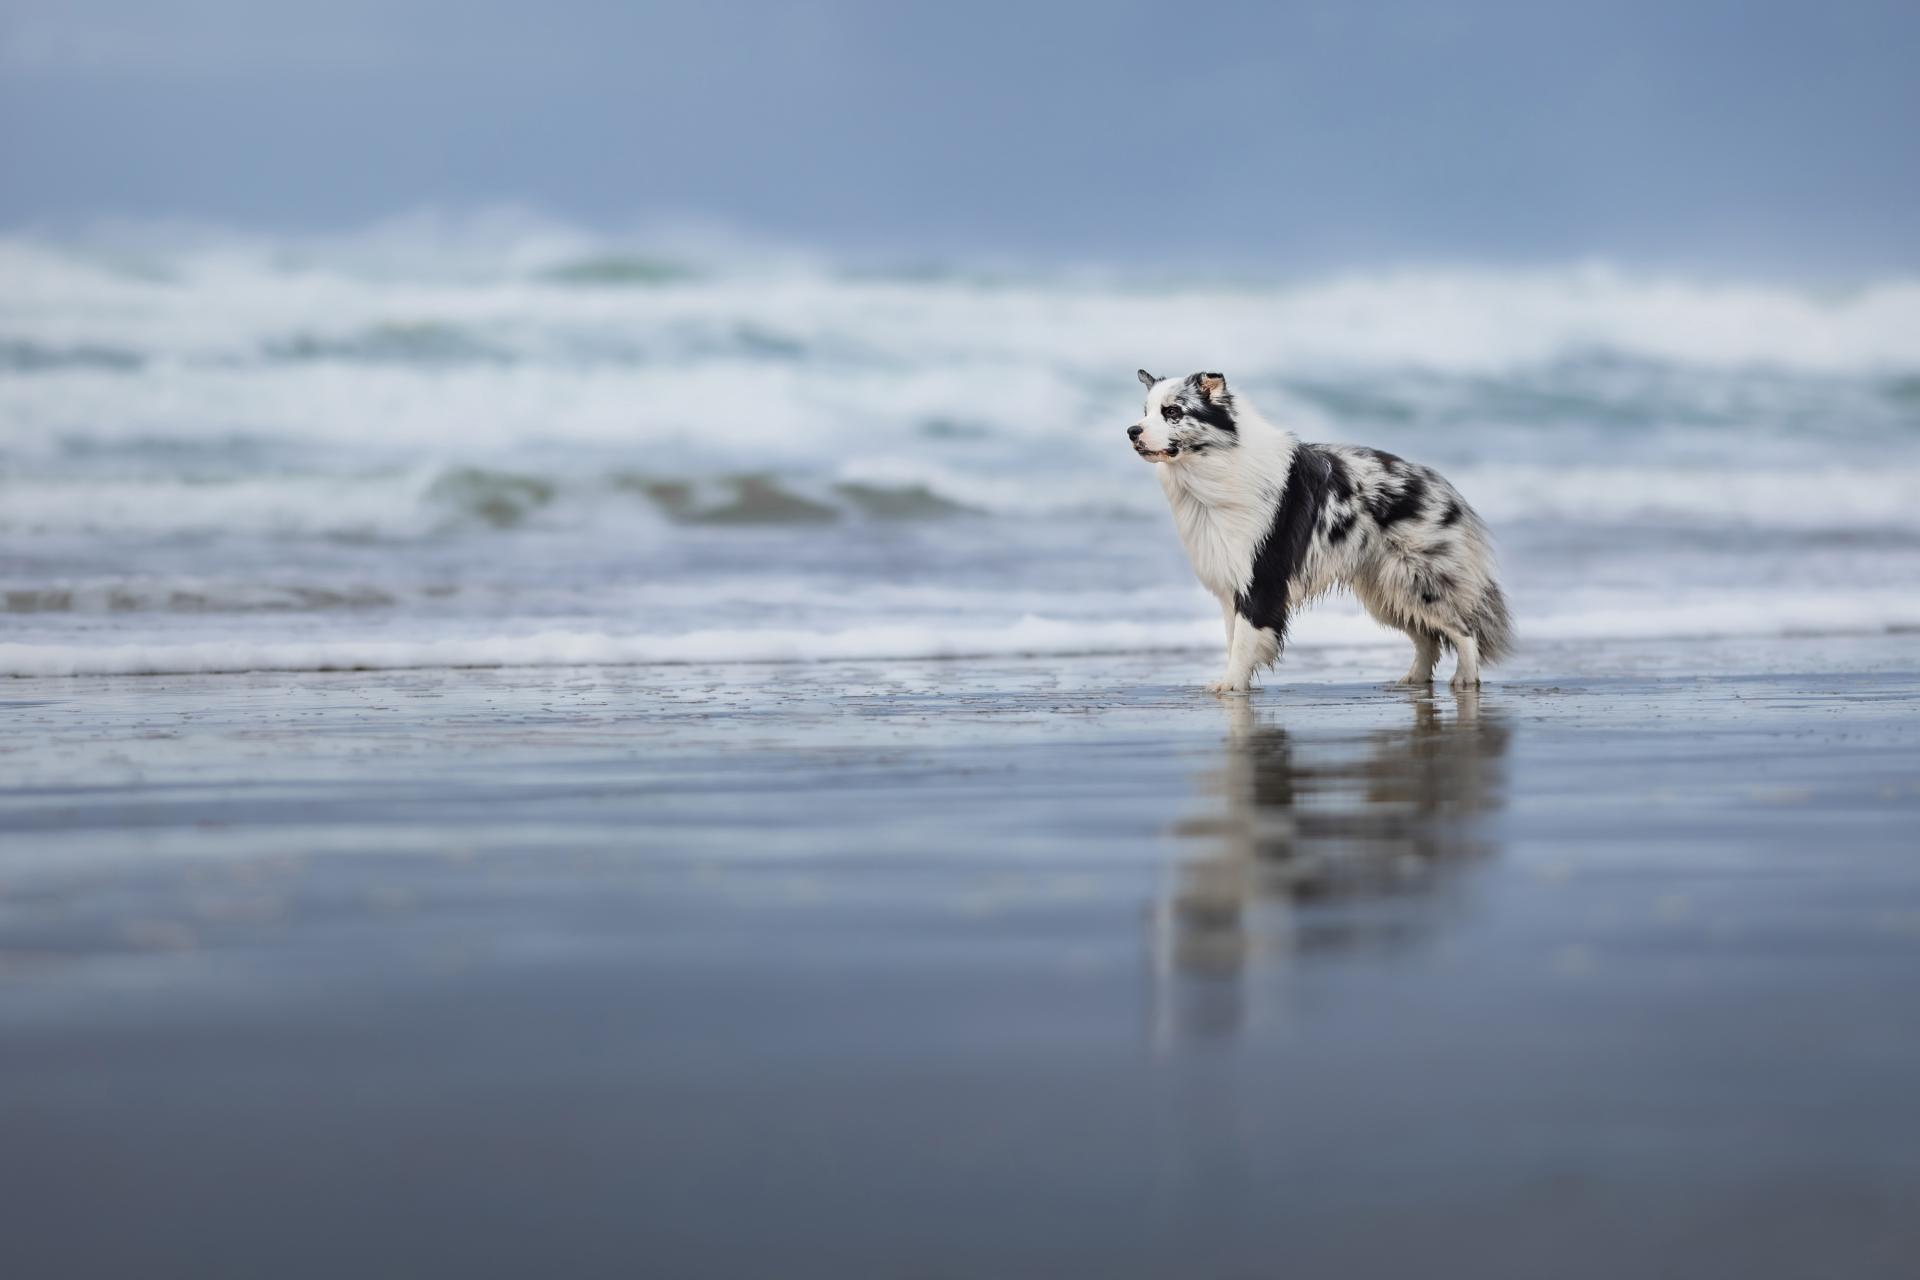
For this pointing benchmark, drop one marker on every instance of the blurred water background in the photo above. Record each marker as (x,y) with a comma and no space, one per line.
(500,438)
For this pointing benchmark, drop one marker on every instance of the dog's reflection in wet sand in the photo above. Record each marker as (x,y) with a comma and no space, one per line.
(1321,841)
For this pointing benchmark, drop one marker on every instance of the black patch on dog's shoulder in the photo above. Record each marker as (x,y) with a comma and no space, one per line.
(1264,602)
(1389,462)
(1451,514)
(1390,508)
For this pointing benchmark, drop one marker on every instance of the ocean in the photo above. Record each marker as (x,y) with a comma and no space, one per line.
(505,442)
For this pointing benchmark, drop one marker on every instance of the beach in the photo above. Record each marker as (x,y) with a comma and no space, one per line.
(528,748)
(1011,966)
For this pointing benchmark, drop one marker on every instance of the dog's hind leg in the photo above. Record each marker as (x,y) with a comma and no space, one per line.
(1390,610)
(1466,674)
(1426,655)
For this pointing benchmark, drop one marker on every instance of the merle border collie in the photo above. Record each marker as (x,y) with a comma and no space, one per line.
(1272,523)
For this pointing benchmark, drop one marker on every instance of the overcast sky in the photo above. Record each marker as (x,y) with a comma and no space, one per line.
(1717,135)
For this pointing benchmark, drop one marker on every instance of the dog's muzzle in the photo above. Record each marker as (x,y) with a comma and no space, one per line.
(1171,451)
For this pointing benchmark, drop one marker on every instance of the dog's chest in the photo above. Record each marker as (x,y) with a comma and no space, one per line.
(1220,537)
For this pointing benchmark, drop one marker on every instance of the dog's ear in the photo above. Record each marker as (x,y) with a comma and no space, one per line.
(1146,379)
(1212,385)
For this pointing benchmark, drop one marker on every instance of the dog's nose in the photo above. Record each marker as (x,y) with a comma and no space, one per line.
(1133,432)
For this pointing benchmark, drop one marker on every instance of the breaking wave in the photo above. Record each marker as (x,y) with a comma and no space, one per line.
(430,292)
(433,501)
(438,501)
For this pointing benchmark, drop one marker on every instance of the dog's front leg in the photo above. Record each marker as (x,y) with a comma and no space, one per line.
(1252,647)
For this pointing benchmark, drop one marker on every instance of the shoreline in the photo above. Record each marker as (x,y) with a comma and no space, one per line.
(1531,656)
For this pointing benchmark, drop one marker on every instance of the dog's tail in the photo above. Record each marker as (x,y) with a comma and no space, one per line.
(1491,625)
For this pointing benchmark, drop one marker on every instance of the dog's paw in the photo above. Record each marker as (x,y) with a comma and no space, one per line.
(1413,682)
(1457,684)
(1228,686)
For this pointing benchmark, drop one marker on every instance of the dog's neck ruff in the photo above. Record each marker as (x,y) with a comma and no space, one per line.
(1223,500)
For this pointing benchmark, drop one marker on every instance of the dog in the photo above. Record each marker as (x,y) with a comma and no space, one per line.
(1272,523)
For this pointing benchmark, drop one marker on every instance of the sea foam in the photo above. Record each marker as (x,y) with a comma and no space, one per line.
(1578,616)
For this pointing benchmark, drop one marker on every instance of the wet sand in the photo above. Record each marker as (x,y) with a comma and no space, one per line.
(971,968)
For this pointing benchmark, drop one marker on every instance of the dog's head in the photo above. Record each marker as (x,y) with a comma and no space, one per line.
(1184,417)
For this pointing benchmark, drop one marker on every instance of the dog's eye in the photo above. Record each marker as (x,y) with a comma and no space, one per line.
(1170,412)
